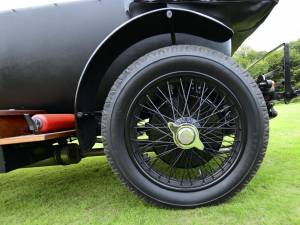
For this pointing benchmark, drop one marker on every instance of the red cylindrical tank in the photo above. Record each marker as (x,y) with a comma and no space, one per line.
(48,123)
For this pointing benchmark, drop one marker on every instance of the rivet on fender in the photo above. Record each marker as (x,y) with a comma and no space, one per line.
(169,14)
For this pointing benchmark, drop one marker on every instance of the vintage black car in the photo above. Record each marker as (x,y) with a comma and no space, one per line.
(182,124)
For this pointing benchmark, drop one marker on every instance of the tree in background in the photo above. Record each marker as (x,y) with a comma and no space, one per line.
(246,56)
(295,61)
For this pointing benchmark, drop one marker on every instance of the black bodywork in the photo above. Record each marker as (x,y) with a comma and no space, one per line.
(49,52)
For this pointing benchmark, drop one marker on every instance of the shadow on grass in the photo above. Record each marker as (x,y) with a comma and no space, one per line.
(90,181)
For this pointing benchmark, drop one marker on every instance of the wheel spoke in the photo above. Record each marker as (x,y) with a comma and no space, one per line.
(165,153)
(203,101)
(171,168)
(156,128)
(186,97)
(198,110)
(185,102)
(223,124)
(199,100)
(212,114)
(170,101)
(157,112)
(204,161)
(150,141)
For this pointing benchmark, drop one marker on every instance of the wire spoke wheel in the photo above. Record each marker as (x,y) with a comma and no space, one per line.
(184,126)
(202,110)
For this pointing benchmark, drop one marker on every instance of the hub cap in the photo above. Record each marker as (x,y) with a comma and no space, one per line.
(186,136)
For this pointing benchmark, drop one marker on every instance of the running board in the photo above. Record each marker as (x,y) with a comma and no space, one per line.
(37,137)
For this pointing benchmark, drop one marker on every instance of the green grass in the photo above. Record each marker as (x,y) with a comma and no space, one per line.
(88,193)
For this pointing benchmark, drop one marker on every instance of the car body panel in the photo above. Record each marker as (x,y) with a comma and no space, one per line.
(45,48)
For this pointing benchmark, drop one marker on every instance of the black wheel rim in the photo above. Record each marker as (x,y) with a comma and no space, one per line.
(185,98)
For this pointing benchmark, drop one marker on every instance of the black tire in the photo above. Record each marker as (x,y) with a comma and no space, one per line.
(233,81)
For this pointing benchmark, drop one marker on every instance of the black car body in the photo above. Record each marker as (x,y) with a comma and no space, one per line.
(45,49)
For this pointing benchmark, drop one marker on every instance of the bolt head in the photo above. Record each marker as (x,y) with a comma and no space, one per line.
(169,14)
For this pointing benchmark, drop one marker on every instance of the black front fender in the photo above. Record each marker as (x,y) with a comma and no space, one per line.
(160,21)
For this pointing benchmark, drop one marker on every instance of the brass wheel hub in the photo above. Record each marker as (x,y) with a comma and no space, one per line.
(186,136)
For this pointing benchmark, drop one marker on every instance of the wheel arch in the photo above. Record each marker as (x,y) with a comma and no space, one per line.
(170,21)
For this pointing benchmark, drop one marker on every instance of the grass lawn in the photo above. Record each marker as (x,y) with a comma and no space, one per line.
(88,193)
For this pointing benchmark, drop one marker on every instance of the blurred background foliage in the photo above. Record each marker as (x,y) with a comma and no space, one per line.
(246,56)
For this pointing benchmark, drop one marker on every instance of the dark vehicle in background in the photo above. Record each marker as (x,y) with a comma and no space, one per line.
(153,80)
